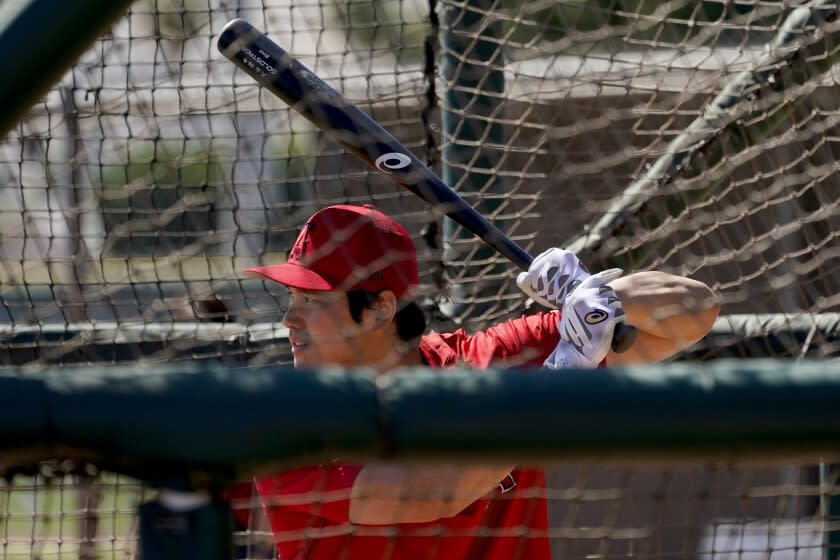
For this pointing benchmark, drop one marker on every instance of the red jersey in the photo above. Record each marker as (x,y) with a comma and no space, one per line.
(308,508)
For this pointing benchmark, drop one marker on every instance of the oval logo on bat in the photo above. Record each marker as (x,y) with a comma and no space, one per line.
(596,316)
(392,161)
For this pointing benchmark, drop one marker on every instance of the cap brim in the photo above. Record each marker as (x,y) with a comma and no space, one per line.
(292,275)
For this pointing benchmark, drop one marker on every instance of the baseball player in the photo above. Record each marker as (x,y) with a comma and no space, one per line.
(351,276)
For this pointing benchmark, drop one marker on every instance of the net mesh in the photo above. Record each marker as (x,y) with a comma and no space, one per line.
(51,514)
(139,188)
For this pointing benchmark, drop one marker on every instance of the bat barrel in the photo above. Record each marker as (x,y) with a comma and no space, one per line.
(275,69)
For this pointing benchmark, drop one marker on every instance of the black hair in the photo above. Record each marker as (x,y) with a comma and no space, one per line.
(410,318)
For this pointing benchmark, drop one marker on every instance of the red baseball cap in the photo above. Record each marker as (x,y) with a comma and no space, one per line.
(348,248)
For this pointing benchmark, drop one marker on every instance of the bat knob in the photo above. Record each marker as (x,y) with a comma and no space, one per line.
(623,337)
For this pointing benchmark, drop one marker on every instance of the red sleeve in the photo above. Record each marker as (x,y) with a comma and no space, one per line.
(523,342)
(322,491)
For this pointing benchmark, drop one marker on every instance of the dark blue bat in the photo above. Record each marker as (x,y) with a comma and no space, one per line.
(280,73)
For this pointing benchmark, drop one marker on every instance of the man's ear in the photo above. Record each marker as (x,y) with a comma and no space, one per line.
(386,307)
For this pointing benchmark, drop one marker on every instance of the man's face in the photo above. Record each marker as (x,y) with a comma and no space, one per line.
(321,330)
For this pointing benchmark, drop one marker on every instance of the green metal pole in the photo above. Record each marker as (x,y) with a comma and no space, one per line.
(40,40)
(473,139)
(215,423)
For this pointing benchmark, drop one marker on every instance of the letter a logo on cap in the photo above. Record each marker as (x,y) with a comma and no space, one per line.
(303,241)
(307,231)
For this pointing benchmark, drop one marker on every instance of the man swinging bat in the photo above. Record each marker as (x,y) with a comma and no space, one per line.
(351,278)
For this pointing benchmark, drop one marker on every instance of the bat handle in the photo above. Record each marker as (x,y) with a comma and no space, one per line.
(624,334)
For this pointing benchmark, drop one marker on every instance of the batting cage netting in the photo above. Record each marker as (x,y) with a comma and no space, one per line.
(694,138)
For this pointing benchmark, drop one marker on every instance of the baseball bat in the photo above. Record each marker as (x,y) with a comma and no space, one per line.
(284,76)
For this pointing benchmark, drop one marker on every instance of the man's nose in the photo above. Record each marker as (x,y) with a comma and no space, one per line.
(291,318)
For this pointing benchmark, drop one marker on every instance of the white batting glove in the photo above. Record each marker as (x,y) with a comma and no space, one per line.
(552,276)
(589,316)
(567,356)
